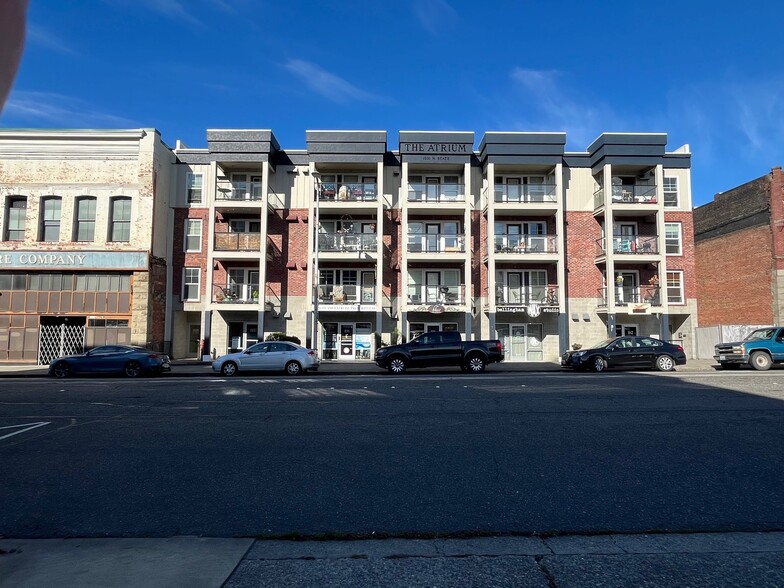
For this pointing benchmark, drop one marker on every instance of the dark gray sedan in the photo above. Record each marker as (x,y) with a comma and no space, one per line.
(128,360)
(626,352)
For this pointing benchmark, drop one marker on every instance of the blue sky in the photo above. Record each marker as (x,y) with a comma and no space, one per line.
(708,73)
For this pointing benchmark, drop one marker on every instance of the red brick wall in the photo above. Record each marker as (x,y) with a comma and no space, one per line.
(777,214)
(583,276)
(180,259)
(687,261)
(734,274)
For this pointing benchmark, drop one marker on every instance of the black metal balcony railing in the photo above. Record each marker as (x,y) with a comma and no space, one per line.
(631,194)
(436,243)
(239,191)
(525,295)
(445,295)
(236,294)
(436,193)
(525,193)
(347,242)
(630,245)
(345,294)
(237,241)
(647,294)
(513,243)
(356,192)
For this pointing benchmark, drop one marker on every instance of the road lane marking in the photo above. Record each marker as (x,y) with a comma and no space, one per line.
(28,427)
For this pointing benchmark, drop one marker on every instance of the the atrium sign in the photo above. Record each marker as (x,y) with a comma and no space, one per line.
(435,152)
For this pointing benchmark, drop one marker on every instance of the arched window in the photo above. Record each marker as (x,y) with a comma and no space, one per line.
(51,209)
(120,228)
(15,218)
(84,229)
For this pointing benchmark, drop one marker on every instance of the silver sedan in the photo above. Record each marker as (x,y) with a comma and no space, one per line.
(268,356)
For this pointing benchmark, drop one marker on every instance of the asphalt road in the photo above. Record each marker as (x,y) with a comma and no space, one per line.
(419,455)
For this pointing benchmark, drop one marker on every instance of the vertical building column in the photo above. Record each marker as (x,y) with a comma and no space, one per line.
(379,286)
(608,248)
(560,227)
(490,244)
(206,336)
(467,266)
(311,299)
(265,211)
(404,249)
(664,324)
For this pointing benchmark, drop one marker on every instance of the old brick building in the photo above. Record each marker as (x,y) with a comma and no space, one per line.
(739,252)
(84,236)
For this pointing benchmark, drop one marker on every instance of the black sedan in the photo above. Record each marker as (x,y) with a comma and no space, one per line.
(128,360)
(626,352)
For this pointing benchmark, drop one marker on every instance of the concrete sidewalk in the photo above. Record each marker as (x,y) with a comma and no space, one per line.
(193,368)
(700,559)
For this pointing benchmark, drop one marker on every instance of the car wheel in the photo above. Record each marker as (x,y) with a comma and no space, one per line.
(599,364)
(229,368)
(397,365)
(61,370)
(664,363)
(476,364)
(132,369)
(760,361)
(293,368)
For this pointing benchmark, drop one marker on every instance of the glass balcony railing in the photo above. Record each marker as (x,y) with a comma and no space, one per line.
(346,294)
(239,191)
(436,243)
(445,295)
(631,194)
(646,294)
(515,243)
(356,192)
(236,294)
(630,245)
(436,193)
(525,193)
(237,242)
(525,295)
(347,242)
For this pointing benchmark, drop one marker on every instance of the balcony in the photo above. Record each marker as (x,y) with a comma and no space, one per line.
(517,244)
(361,192)
(525,193)
(330,294)
(526,295)
(236,294)
(237,242)
(238,191)
(624,295)
(436,193)
(436,243)
(443,295)
(338,242)
(637,194)
(630,245)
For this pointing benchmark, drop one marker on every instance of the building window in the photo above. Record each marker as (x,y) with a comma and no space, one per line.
(670,191)
(120,230)
(195,182)
(50,221)
(675,288)
(193,234)
(85,218)
(16,215)
(672,238)
(191,284)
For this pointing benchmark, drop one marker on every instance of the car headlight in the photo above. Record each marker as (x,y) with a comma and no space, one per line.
(578,353)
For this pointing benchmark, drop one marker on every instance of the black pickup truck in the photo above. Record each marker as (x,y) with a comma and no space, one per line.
(440,348)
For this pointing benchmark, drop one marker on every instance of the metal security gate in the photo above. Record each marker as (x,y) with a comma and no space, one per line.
(58,340)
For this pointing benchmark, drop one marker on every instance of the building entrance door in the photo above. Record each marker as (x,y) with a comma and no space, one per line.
(59,336)
(346,349)
(194,341)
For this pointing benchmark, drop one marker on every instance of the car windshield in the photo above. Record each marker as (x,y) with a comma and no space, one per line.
(603,343)
(760,334)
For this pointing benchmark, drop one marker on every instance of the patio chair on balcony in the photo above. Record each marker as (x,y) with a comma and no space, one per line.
(338,295)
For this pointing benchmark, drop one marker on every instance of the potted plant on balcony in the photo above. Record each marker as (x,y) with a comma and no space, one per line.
(654,280)
(254,296)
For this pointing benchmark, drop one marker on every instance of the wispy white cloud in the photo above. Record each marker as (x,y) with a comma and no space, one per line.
(327,84)
(176,10)
(43,37)
(550,106)
(37,108)
(435,15)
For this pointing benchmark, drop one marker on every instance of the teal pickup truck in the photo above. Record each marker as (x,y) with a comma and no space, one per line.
(760,349)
